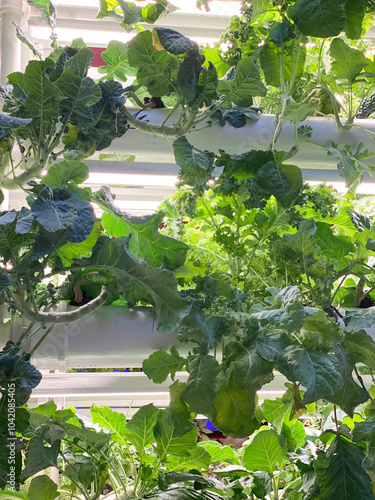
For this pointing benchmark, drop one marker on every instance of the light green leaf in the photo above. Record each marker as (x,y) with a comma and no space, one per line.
(198,459)
(160,364)
(340,473)
(264,452)
(139,430)
(220,453)
(233,410)
(332,246)
(200,390)
(111,420)
(319,18)
(348,62)
(42,488)
(294,433)
(153,67)
(271,62)
(60,174)
(178,414)
(116,59)
(188,77)
(319,331)
(246,84)
(298,112)
(168,444)
(274,411)
(213,55)
(71,251)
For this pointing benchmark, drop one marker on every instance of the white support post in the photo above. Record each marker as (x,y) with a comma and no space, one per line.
(10,59)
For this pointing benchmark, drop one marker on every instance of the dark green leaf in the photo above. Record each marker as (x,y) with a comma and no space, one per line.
(355,13)
(40,456)
(284,182)
(42,488)
(178,414)
(282,33)
(173,41)
(200,389)
(340,473)
(188,77)
(13,122)
(319,18)
(197,168)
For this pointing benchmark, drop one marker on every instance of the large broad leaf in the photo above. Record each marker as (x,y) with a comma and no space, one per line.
(348,62)
(233,410)
(139,430)
(298,112)
(198,328)
(200,390)
(319,331)
(146,243)
(332,246)
(220,453)
(87,437)
(111,420)
(178,414)
(360,318)
(207,85)
(321,373)
(116,59)
(197,168)
(251,371)
(160,284)
(13,122)
(60,174)
(173,41)
(274,411)
(15,370)
(48,10)
(81,470)
(364,431)
(272,347)
(42,96)
(244,165)
(160,364)
(9,493)
(340,473)
(303,242)
(355,13)
(53,215)
(362,344)
(319,18)
(213,56)
(188,77)
(264,452)
(40,456)
(246,84)
(284,182)
(70,251)
(168,443)
(293,62)
(154,67)
(198,459)
(42,488)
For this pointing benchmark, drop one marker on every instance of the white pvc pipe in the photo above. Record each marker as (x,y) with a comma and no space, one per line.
(256,134)
(10,60)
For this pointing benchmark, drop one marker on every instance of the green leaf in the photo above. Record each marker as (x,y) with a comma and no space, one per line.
(42,488)
(81,470)
(111,420)
(48,10)
(71,251)
(298,112)
(282,33)
(284,182)
(116,59)
(250,370)
(264,452)
(349,165)
(233,410)
(207,86)
(200,390)
(198,459)
(21,35)
(146,244)
(160,284)
(40,457)
(244,165)
(160,364)
(42,96)
(358,319)
(153,67)
(294,433)
(139,430)
(294,56)
(355,13)
(13,122)
(319,18)
(363,431)
(213,55)
(178,414)
(272,347)
(173,41)
(303,242)
(340,473)
(168,444)
(87,436)
(361,343)
(197,168)
(321,373)
(332,246)
(319,331)
(10,494)
(348,62)
(60,174)
(14,369)
(188,77)
(246,84)
(274,411)
(220,453)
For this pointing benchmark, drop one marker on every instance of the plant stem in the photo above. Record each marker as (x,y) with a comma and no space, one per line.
(41,340)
